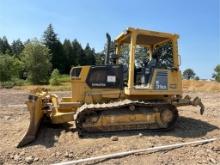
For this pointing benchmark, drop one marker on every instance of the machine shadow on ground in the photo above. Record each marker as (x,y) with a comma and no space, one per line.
(184,128)
(49,134)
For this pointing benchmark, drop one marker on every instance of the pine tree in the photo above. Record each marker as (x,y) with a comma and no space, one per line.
(4,46)
(50,39)
(17,47)
(70,56)
(90,55)
(79,53)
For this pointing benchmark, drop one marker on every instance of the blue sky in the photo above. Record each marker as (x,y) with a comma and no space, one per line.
(196,21)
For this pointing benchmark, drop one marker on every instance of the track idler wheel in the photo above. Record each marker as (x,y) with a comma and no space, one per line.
(168,116)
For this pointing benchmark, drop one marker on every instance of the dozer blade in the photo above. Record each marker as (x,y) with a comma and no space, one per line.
(36,115)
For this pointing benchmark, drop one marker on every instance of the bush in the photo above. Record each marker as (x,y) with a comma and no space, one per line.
(54,79)
(10,67)
(18,82)
(188,74)
(7,84)
(12,83)
(64,78)
(216,75)
(37,62)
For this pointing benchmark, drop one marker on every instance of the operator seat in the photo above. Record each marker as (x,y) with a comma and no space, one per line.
(147,72)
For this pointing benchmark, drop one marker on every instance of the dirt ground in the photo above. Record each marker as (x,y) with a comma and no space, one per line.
(61,143)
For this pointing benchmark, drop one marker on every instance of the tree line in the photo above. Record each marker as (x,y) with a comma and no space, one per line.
(189,74)
(36,59)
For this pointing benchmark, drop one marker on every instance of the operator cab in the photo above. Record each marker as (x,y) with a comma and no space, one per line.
(140,62)
(148,58)
(146,62)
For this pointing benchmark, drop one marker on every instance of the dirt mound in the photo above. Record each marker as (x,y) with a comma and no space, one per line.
(201,86)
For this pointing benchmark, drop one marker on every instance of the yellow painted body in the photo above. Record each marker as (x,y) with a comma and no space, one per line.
(82,93)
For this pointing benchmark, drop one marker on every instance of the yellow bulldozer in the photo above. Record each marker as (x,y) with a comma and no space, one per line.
(138,87)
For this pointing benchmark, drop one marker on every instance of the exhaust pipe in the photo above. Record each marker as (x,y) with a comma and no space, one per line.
(108,42)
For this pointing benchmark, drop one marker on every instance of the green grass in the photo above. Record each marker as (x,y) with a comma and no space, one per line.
(65,85)
(64,78)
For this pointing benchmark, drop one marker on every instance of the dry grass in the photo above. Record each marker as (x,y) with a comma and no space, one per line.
(188,86)
(66,86)
(200,86)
